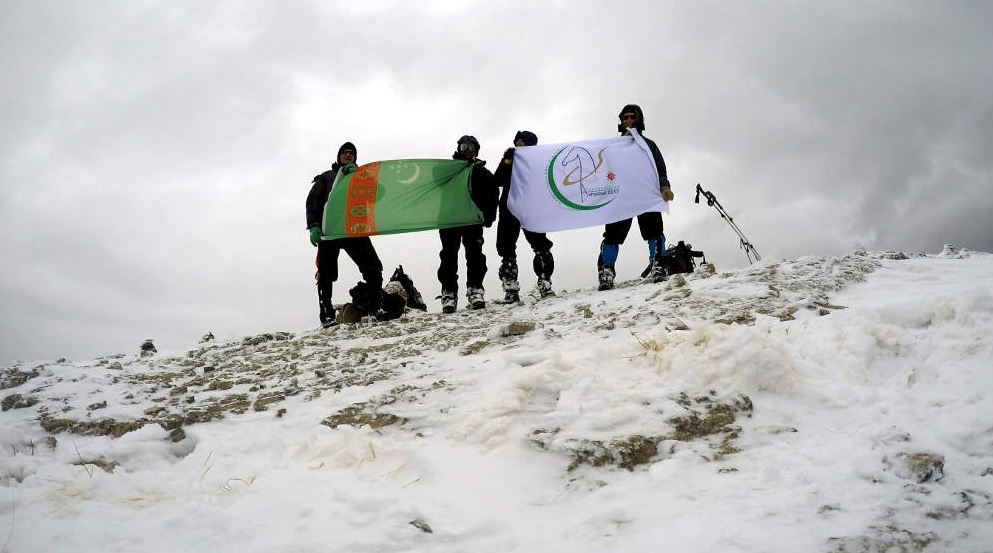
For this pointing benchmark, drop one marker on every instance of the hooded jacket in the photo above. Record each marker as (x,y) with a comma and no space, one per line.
(321,188)
(639,123)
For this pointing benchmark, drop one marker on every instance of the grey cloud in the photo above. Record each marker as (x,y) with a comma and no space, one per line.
(154,160)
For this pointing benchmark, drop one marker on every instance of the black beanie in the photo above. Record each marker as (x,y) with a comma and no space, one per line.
(346,146)
(639,118)
(529,138)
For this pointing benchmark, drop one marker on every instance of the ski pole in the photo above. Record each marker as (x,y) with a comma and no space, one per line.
(712,201)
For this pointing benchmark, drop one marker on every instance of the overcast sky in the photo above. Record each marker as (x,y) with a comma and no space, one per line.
(156,155)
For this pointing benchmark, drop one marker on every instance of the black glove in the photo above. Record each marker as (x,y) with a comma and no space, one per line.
(508,156)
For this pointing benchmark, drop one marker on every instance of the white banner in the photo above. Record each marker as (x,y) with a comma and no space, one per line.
(583,184)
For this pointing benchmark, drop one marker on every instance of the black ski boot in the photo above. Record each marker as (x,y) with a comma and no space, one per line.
(508,279)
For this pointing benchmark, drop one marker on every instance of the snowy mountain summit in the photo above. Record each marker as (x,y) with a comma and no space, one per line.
(828,404)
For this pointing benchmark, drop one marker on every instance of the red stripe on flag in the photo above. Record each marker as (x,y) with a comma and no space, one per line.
(361,200)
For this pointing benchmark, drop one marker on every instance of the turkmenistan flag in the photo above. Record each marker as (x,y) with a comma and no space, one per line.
(401,195)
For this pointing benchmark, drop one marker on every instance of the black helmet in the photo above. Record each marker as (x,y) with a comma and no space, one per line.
(639,118)
(467,143)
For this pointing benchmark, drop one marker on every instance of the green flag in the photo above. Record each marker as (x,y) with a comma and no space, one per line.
(401,195)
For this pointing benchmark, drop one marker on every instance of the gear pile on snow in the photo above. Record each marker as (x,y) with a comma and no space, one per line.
(398,295)
(679,258)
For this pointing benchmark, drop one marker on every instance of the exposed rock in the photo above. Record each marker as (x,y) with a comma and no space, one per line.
(625,452)
(104,427)
(474,347)
(17,401)
(516,328)
(263,403)
(221,385)
(177,435)
(884,539)
(100,462)
(13,379)
(357,415)
(267,337)
(421,525)
(919,467)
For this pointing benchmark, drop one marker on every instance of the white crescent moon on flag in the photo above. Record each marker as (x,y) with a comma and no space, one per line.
(417,174)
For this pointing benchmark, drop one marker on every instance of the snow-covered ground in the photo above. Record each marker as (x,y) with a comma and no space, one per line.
(824,404)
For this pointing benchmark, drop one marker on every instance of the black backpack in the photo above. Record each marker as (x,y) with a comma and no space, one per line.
(365,298)
(414,299)
(679,258)
(384,304)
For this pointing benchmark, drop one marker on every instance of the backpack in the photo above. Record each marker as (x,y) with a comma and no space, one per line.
(387,304)
(679,258)
(394,302)
(414,299)
(364,298)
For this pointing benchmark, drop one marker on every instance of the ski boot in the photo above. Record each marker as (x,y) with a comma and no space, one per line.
(508,279)
(545,288)
(656,272)
(475,297)
(544,265)
(328,317)
(605,265)
(607,274)
(510,296)
(449,301)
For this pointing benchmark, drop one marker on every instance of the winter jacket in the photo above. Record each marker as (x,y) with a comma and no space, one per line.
(639,123)
(483,191)
(318,196)
(502,175)
(659,162)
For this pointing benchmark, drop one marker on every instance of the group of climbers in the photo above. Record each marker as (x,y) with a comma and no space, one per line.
(485,189)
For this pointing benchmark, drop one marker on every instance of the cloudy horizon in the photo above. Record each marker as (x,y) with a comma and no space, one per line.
(156,156)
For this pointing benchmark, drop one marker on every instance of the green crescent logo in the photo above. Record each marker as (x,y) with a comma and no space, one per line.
(558,193)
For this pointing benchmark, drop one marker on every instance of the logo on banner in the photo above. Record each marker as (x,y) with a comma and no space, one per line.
(581,180)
